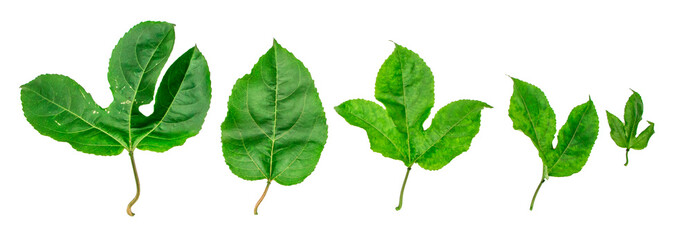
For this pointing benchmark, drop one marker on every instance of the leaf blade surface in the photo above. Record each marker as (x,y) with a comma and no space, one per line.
(450,133)
(634,108)
(575,141)
(72,117)
(643,139)
(182,102)
(382,133)
(531,114)
(617,130)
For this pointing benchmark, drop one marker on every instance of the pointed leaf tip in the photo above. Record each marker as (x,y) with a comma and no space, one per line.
(515,80)
(398,46)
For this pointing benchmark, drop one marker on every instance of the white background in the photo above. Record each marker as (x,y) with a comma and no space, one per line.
(571,51)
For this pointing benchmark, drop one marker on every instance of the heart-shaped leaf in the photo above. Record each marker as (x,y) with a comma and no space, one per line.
(275,128)
(625,135)
(404,86)
(531,113)
(58,107)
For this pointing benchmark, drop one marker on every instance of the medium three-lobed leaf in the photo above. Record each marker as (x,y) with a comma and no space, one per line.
(275,128)
(404,85)
(58,107)
(531,114)
(625,135)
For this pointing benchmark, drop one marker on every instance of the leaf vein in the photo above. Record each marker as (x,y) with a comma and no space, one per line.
(380,131)
(441,137)
(84,120)
(167,110)
(247,109)
(242,140)
(305,145)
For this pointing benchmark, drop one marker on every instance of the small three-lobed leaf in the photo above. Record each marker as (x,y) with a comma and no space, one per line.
(58,107)
(404,86)
(531,113)
(275,128)
(625,135)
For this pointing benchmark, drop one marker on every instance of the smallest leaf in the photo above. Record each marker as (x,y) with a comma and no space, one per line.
(625,135)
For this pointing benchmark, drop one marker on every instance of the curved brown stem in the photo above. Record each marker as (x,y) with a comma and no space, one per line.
(262,197)
(134,169)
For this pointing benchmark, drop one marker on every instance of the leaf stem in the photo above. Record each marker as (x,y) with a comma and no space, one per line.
(262,197)
(536,193)
(134,169)
(403,186)
(627,157)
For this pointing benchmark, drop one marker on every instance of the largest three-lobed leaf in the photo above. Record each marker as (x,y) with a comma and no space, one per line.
(276,127)
(58,107)
(531,113)
(405,87)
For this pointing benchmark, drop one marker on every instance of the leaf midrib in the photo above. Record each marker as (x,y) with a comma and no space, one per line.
(276,110)
(571,139)
(276,106)
(403,89)
(632,135)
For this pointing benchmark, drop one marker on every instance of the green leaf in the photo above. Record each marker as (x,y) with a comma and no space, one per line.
(383,135)
(449,134)
(404,86)
(643,138)
(531,113)
(58,107)
(182,101)
(627,137)
(617,130)
(276,127)
(575,141)
(633,115)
